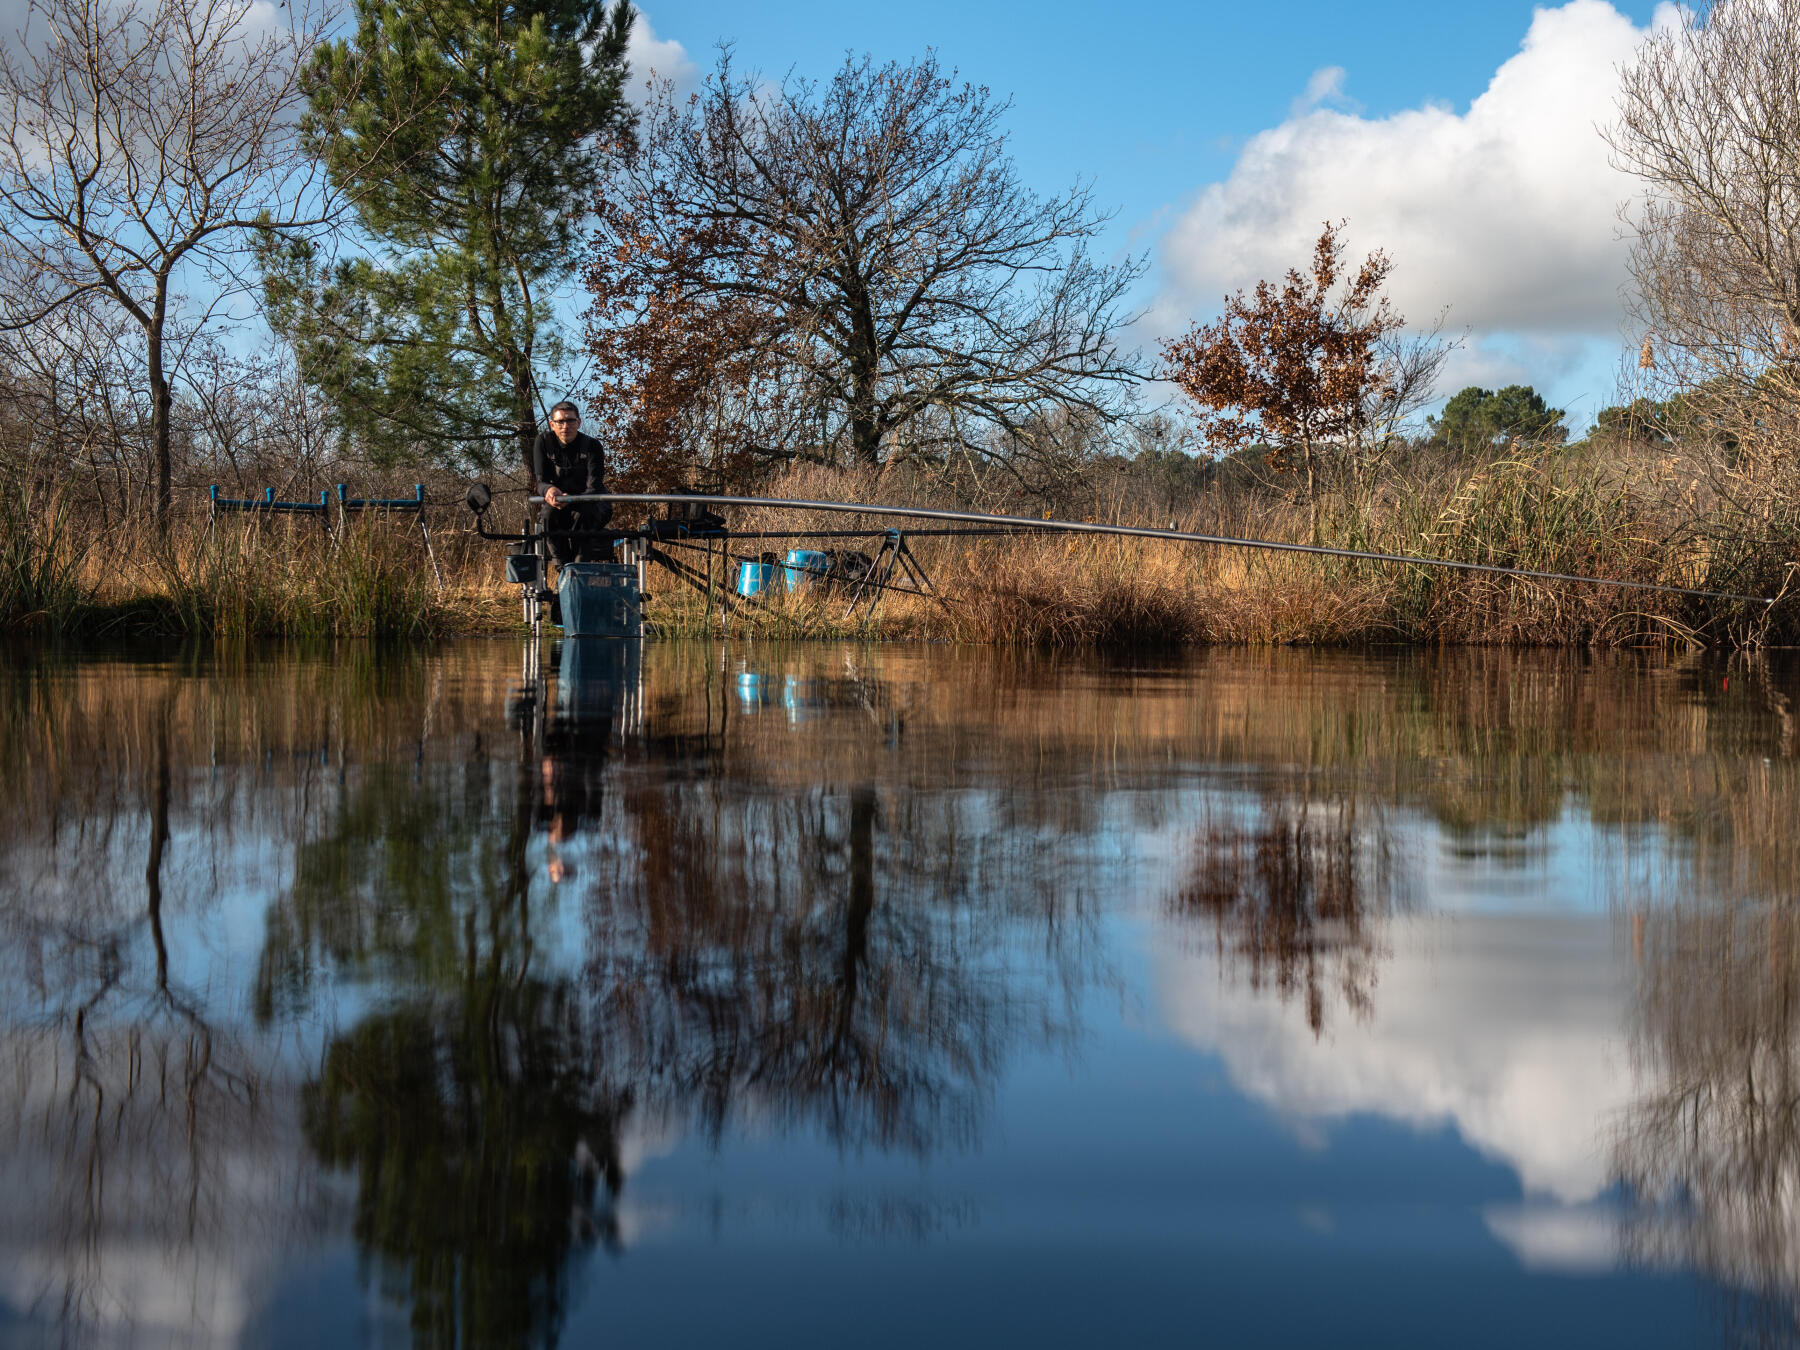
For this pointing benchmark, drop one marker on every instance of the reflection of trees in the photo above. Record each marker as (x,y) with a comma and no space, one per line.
(484,1142)
(1710,1153)
(133,1118)
(831,957)
(857,960)
(481,1144)
(841,914)
(1293,890)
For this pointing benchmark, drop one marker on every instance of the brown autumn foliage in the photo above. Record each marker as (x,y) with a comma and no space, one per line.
(1298,367)
(677,388)
(846,272)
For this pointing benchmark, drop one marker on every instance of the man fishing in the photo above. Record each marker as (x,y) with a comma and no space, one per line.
(568,463)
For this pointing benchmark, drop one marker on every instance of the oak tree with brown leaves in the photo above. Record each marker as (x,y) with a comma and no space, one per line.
(1306,368)
(686,387)
(850,271)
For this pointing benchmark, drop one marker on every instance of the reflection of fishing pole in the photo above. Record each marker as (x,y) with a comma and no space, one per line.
(1027,525)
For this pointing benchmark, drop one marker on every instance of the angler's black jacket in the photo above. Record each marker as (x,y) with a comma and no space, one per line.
(579,466)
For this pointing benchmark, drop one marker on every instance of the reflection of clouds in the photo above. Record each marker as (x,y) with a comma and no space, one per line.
(642,1221)
(1572,1239)
(1510,1029)
(645,1137)
(152,1292)
(146,1226)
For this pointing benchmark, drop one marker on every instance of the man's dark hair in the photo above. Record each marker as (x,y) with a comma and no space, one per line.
(564,406)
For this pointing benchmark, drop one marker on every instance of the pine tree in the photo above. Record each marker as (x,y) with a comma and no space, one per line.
(1476,420)
(467,134)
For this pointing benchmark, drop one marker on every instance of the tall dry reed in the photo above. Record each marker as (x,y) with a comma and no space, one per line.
(1570,512)
(243,577)
(41,557)
(1581,511)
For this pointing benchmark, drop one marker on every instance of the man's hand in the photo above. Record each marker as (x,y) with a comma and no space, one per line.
(553,497)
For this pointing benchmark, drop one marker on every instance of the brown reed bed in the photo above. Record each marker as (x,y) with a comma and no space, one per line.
(246,577)
(1555,511)
(1574,512)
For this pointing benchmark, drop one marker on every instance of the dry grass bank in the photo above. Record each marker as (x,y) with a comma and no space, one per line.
(246,578)
(1581,511)
(1556,511)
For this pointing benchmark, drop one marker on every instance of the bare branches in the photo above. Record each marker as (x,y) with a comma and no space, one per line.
(874,235)
(139,144)
(1709,118)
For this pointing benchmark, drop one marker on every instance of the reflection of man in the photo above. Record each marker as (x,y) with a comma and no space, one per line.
(561,807)
(568,463)
(577,735)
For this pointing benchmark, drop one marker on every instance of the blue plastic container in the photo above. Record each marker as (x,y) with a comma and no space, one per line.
(805,566)
(755,577)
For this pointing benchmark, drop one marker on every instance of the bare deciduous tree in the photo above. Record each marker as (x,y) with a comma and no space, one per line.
(900,278)
(1709,119)
(1410,363)
(139,143)
(76,409)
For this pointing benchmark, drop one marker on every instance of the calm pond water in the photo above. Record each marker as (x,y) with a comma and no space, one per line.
(898,996)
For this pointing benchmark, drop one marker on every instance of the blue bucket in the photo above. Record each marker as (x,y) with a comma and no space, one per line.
(755,577)
(804,567)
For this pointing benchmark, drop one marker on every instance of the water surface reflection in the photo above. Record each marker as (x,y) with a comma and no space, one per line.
(431,994)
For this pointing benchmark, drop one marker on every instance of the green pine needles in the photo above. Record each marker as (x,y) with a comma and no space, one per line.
(466,136)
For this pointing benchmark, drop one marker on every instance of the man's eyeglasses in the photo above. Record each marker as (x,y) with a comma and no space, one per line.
(565,421)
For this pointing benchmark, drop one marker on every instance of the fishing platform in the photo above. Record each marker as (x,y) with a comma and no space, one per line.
(730,569)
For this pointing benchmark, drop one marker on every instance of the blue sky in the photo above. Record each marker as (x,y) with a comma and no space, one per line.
(1461,138)
(1223,134)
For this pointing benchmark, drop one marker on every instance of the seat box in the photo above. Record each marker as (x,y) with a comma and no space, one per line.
(600,600)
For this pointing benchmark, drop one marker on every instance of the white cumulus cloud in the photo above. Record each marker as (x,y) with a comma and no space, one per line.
(1506,213)
(654,58)
(1326,87)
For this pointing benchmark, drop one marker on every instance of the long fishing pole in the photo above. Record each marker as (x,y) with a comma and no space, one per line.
(1026,524)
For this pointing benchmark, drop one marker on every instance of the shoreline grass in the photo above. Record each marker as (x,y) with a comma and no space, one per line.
(1551,512)
(1555,511)
(247,578)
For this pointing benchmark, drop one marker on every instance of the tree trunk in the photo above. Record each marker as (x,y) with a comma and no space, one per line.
(159,842)
(524,417)
(862,905)
(865,439)
(160,402)
(865,365)
(1312,490)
